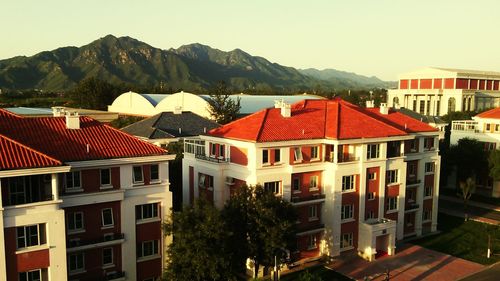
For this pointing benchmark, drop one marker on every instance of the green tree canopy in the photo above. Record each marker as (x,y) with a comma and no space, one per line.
(93,93)
(469,157)
(221,106)
(494,164)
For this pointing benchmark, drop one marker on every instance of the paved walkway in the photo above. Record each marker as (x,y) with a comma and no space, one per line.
(491,273)
(471,203)
(411,262)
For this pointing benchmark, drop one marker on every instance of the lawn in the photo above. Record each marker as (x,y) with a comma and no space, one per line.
(320,271)
(466,240)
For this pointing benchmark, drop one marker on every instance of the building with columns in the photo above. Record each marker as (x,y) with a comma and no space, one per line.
(360,178)
(79,201)
(438,91)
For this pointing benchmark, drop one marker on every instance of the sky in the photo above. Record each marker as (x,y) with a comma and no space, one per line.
(370,37)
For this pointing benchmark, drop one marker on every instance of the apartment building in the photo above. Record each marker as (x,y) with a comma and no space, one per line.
(439,91)
(360,178)
(484,127)
(79,201)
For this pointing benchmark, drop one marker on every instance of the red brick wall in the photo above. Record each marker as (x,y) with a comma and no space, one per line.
(149,269)
(425,83)
(372,186)
(304,182)
(348,199)
(239,155)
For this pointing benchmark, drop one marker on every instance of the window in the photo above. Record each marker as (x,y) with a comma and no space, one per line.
(213,149)
(313,212)
(73,181)
(412,169)
(33,275)
(75,221)
(273,186)
(313,182)
(438,107)
(410,194)
(30,235)
(315,152)
(429,143)
(497,127)
(488,127)
(426,215)
(371,195)
(429,167)
(76,262)
(392,203)
(105,177)
(17,191)
(222,151)
(146,211)
(205,181)
(155,173)
(348,183)
(297,154)
(415,105)
(372,176)
(296,184)
(138,175)
(346,241)
(373,151)
(428,191)
(311,242)
(392,176)
(147,248)
(346,212)
(107,217)
(370,215)
(277,155)
(107,256)
(265,156)
(422,107)
(428,107)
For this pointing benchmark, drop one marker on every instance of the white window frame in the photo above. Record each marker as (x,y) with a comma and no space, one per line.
(371,215)
(135,169)
(348,183)
(297,154)
(105,185)
(277,151)
(392,204)
(30,278)
(144,211)
(112,262)
(313,212)
(346,237)
(201,180)
(428,191)
(157,179)
(213,149)
(373,149)
(429,167)
(276,184)
(412,169)
(73,175)
(222,151)
(103,216)
(372,176)
(28,236)
(347,212)
(267,154)
(371,195)
(313,183)
(392,176)
(154,247)
(314,153)
(76,257)
(429,218)
(75,228)
(312,242)
(299,187)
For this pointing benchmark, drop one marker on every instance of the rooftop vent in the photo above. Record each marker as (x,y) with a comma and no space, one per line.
(72,121)
(370,104)
(384,109)
(286,108)
(178,110)
(58,111)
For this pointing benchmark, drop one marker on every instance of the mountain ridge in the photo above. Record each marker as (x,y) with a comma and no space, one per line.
(192,67)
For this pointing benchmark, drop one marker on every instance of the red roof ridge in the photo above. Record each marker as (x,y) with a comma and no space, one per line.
(492,113)
(30,149)
(266,110)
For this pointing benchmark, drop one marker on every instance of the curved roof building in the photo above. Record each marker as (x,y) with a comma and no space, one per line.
(131,103)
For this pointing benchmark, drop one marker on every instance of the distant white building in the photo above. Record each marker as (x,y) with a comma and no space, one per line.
(132,103)
(438,91)
(485,127)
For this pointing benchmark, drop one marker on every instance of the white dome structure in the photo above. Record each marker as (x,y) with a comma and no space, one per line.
(131,103)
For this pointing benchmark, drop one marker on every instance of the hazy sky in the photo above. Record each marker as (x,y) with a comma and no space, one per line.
(369,37)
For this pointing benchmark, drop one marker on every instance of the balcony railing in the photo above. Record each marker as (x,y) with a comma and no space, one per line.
(310,226)
(411,206)
(343,158)
(298,199)
(411,181)
(211,159)
(114,276)
(466,126)
(103,239)
(19,200)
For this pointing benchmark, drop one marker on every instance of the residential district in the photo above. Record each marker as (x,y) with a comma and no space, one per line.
(373,187)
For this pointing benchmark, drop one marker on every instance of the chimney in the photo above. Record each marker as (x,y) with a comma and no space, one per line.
(384,109)
(286,110)
(278,103)
(370,104)
(72,121)
(397,106)
(58,111)
(178,109)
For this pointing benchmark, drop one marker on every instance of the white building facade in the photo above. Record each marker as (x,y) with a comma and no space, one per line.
(356,186)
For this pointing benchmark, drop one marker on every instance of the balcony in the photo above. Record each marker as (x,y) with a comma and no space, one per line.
(114,276)
(344,158)
(310,227)
(214,159)
(412,181)
(106,240)
(14,200)
(411,206)
(302,199)
(465,126)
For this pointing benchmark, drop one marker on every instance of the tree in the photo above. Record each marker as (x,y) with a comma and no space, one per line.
(93,93)
(222,107)
(261,224)
(467,188)
(469,158)
(494,164)
(199,251)
(307,276)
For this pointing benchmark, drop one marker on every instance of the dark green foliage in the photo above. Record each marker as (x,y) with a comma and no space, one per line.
(469,158)
(494,164)
(315,273)
(175,173)
(93,93)
(32,98)
(198,250)
(307,276)
(222,107)
(123,121)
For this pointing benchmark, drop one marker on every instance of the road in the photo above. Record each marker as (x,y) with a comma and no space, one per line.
(472,210)
(492,273)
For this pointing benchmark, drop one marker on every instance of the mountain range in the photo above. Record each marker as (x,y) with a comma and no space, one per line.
(191,67)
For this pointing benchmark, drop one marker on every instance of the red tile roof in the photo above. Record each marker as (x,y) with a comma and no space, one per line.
(492,113)
(14,155)
(93,141)
(318,119)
